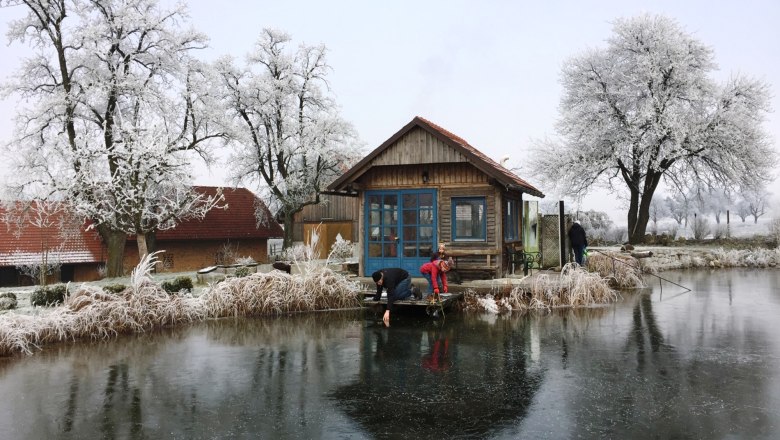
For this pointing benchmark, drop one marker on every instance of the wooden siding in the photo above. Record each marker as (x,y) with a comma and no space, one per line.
(410,176)
(335,208)
(445,216)
(418,146)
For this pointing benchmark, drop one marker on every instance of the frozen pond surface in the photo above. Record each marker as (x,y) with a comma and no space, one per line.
(702,364)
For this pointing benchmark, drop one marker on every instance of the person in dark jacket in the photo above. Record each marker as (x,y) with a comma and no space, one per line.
(398,284)
(578,241)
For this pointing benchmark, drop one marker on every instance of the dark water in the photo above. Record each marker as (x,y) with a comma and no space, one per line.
(703,364)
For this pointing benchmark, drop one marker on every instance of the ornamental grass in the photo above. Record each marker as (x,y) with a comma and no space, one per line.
(621,270)
(574,287)
(93,313)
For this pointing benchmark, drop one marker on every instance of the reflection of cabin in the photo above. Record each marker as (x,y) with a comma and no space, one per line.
(222,236)
(425,185)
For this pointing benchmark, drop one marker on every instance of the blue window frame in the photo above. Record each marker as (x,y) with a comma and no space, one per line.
(469,219)
(512,220)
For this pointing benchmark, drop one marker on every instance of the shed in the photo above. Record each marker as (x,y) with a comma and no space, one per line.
(425,185)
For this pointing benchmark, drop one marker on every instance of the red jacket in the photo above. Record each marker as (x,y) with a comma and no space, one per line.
(432,268)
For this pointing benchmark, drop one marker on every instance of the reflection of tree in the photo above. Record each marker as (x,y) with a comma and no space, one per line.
(487,383)
(644,322)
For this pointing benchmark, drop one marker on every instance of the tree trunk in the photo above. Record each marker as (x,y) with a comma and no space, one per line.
(115,243)
(288,231)
(143,251)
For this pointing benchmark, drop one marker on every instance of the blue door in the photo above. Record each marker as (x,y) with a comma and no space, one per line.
(400,229)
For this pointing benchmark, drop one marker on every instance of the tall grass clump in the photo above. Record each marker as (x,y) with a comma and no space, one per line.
(574,287)
(622,271)
(277,292)
(93,313)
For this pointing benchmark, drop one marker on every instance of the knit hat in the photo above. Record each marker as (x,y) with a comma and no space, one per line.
(444,266)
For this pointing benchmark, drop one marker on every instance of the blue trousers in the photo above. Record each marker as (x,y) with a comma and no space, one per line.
(403,290)
(429,278)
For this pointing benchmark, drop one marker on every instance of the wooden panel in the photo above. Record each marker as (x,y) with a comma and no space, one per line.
(411,176)
(418,147)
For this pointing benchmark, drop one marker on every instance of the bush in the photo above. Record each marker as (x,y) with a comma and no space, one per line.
(7,301)
(114,288)
(177,285)
(241,272)
(701,228)
(49,295)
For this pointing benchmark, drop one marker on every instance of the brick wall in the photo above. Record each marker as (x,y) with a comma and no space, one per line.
(188,255)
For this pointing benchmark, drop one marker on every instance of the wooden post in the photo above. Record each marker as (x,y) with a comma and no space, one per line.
(562,228)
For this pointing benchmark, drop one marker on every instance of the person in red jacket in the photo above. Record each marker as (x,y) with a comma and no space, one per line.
(435,272)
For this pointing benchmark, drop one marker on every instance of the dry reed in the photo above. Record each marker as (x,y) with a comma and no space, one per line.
(93,313)
(622,271)
(573,287)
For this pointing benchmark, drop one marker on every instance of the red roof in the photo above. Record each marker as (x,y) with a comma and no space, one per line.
(236,221)
(23,242)
(476,157)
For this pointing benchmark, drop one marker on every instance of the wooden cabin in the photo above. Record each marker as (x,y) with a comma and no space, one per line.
(425,186)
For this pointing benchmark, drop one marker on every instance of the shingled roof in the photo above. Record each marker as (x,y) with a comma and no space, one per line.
(24,243)
(482,162)
(235,222)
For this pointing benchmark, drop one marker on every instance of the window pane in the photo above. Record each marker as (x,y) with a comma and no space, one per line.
(470,219)
(374,250)
(426,200)
(391,202)
(410,201)
(426,232)
(390,250)
(390,234)
(410,233)
(375,234)
(410,251)
(426,249)
(410,217)
(374,218)
(374,202)
(426,216)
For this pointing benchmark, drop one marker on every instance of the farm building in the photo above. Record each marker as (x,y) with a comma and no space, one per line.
(426,185)
(79,253)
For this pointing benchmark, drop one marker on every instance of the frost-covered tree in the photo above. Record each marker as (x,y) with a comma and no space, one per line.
(289,136)
(645,109)
(757,201)
(658,211)
(679,208)
(116,109)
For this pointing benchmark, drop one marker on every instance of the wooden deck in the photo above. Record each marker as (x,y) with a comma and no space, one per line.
(447,299)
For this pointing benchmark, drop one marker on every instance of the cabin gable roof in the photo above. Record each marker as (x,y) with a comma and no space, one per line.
(439,146)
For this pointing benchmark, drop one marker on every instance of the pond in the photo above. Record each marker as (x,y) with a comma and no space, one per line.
(659,364)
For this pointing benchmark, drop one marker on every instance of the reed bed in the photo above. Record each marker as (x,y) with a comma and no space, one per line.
(714,258)
(574,287)
(623,271)
(277,292)
(93,313)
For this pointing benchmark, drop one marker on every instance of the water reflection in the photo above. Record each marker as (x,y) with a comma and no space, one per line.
(703,364)
(443,380)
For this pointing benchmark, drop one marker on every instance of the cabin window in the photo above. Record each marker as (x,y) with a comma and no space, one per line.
(512,220)
(469,218)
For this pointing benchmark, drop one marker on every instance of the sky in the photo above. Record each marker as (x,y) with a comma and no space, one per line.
(487,71)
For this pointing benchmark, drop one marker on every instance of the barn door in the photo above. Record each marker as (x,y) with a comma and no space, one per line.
(400,229)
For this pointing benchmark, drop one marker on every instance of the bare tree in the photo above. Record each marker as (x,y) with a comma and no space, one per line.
(288,135)
(117,109)
(645,109)
(757,203)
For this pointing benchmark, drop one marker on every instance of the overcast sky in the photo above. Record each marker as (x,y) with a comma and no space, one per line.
(487,71)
